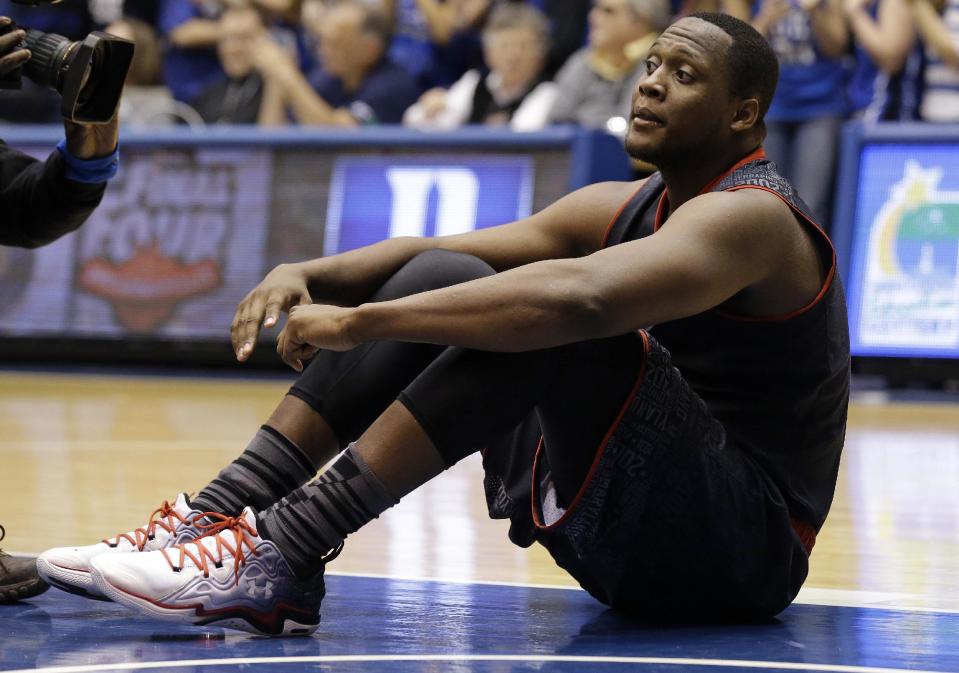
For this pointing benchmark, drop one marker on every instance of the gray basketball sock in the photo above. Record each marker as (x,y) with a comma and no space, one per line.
(271,467)
(313,520)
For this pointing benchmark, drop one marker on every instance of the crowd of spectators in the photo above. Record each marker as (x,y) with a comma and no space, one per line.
(439,64)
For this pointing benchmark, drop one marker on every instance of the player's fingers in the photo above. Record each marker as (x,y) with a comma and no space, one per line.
(271,313)
(286,349)
(235,326)
(250,326)
(238,326)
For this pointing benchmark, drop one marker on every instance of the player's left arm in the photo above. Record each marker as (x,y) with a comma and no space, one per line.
(713,247)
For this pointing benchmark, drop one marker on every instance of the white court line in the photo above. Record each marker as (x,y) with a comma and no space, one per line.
(839,598)
(517,658)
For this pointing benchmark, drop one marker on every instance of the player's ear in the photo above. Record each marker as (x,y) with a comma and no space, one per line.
(746,115)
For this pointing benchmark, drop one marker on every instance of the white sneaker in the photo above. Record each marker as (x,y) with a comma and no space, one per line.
(68,568)
(231,578)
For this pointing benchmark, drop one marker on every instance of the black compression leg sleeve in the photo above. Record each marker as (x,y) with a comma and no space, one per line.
(350,390)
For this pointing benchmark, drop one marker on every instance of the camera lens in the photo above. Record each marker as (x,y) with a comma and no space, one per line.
(49,51)
(88,75)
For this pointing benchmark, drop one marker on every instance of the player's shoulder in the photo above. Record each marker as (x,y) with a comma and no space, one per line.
(746,206)
(606,196)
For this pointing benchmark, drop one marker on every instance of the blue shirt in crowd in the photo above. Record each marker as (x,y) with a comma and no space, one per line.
(810,84)
(381,99)
(187,72)
(875,96)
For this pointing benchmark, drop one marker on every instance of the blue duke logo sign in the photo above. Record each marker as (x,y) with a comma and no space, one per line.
(372,199)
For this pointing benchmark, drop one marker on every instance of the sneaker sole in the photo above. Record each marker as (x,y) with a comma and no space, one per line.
(17,592)
(72,581)
(188,615)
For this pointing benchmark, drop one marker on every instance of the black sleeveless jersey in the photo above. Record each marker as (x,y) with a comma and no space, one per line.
(779,385)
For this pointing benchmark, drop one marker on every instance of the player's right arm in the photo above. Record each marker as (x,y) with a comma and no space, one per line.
(574,226)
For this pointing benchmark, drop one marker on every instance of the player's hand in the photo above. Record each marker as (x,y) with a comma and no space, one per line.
(312,328)
(282,289)
(11,57)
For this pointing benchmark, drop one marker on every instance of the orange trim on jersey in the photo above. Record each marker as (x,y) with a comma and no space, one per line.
(661,208)
(755,155)
(805,533)
(822,291)
(599,453)
(612,222)
(758,153)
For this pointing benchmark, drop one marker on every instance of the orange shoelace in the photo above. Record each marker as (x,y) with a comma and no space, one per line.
(164,516)
(243,533)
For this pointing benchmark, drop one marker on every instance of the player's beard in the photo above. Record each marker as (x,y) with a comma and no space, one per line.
(670,154)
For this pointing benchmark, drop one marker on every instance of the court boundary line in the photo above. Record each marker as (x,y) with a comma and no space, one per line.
(865,605)
(517,658)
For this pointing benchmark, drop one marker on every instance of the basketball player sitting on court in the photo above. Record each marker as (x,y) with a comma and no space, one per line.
(657,374)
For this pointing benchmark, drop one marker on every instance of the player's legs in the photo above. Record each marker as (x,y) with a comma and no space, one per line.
(335,399)
(675,520)
(456,406)
(332,402)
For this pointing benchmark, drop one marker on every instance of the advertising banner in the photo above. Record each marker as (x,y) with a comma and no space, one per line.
(904,284)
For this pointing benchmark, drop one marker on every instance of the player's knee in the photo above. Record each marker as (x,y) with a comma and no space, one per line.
(435,269)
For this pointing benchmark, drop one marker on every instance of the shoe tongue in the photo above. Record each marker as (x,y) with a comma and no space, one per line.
(182,504)
(249,516)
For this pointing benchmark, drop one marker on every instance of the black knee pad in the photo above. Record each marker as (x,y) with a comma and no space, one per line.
(432,270)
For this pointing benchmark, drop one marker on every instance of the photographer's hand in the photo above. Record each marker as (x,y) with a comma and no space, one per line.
(92,141)
(11,57)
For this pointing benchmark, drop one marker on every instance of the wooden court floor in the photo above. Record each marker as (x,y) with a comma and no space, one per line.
(87,456)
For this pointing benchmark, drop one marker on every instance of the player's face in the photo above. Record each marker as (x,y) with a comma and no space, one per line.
(682,105)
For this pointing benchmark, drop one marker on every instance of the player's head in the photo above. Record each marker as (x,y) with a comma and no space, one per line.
(709,80)
(751,63)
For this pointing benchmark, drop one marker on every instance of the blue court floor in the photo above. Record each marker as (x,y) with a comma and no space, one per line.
(376,624)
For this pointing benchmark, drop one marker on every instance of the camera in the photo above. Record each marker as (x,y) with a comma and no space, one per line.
(88,74)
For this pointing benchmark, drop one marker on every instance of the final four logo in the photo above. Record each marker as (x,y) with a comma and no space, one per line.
(180,234)
(911,281)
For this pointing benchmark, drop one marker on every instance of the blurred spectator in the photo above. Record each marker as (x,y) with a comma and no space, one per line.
(810,39)
(283,19)
(515,46)
(435,40)
(884,83)
(741,9)
(940,32)
(147,11)
(597,83)
(146,102)
(235,99)
(70,18)
(145,68)
(357,83)
(568,21)
(190,29)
